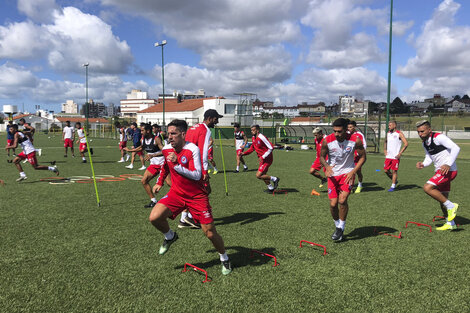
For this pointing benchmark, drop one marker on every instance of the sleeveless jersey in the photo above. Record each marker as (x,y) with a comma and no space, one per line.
(239,140)
(150,146)
(81,135)
(25,143)
(341,154)
(393,144)
(122,134)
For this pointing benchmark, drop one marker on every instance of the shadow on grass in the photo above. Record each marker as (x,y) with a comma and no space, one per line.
(104,161)
(404,187)
(244,218)
(281,190)
(368,231)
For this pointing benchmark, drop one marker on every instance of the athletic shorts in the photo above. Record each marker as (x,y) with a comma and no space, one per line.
(154,169)
(139,153)
(336,184)
(82,146)
(30,156)
(199,208)
(9,142)
(239,152)
(68,143)
(122,145)
(316,164)
(265,164)
(210,154)
(391,164)
(442,182)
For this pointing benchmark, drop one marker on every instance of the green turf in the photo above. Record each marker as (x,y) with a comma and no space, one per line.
(61,253)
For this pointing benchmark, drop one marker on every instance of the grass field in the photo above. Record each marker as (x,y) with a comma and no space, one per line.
(61,253)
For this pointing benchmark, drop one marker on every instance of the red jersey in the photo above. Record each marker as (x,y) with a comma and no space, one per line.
(262,145)
(200,135)
(186,174)
(318,144)
(341,154)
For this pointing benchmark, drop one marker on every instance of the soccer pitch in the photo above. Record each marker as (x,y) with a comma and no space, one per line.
(61,253)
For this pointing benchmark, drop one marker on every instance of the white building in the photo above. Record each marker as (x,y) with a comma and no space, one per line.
(136,101)
(346,104)
(70,107)
(287,111)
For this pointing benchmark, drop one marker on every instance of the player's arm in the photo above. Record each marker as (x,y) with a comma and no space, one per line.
(139,148)
(250,150)
(405,145)
(194,172)
(268,145)
(385,146)
(30,128)
(361,152)
(63,135)
(245,139)
(204,142)
(323,154)
(161,178)
(14,144)
(426,162)
(454,151)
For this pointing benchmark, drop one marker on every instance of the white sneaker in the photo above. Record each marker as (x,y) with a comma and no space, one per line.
(128,157)
(55,170)
(142,168)
(130,166)
(121,161)
(22,178)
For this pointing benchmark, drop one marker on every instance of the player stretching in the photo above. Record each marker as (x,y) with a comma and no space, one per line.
(122,141)
(187,191)
(240,143)
(316,165)
(443,152)
(340,169)
(68,136)
(28,153)
(352,129)
(393,151)
(264,150)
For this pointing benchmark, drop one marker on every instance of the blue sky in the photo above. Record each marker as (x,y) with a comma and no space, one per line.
(287,51)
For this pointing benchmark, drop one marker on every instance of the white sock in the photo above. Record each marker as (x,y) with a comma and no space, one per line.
(451,223)
(215,169)
(359,184)
(238,168)
(342,224)
(393,185)
(336,223)
(83,158)
(153,200)
(22,174)
(51,168)
(449,205)
(223,257)
(190,215)
(169,235)
(270,187)
(183,216)
(273,178)
(244,166)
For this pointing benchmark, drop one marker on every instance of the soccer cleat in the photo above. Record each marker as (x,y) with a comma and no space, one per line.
(142,168)
(323,182)
(314,193)
(22,178)
(269,190)
(166,244)
(83,161)
(65,155)
(236,171)
(337,235)
(55,170)
(192,222)
(209,171)
(130,166)
(447,227)
(184,225)
(276,182)
(245,169)
(391,189)
(226,267)
(215,172)
(150,205)
(358,190)
(452,213)
(121,161)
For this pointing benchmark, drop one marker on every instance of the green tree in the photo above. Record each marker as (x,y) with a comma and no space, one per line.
(397,106)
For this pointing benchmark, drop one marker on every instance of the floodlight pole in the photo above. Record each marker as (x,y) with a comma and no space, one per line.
(157,44)
(389,67)
(86,92)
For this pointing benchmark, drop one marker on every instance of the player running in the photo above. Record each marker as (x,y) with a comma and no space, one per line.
(340,169)
(240,143)
(82,141)
(28,153)
(183,161)
(316,165)
(122,141)
(352,129)
(393,150)
(443,152)
(68,137)
(264,150)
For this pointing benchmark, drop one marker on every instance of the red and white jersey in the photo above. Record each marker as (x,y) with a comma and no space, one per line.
(341,154)
(318,144)
(239,140)
(363,138)
(186,173)
(25,143)
(81,135)
(68,132)
(200,135)
(393,144)
(122,134)
(261,145)
(440,150)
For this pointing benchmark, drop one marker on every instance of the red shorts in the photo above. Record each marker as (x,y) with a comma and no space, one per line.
(82,146)
(391,164)
(139,152)
(239,152)
(264,165)
(199,208)
(30,156)
(210,154)
(154,169)
(442,182)
(336,184)
(316,164)
(122,145)
(68,143)
(9,142)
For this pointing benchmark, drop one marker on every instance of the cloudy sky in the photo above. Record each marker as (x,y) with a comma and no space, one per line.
(286,51)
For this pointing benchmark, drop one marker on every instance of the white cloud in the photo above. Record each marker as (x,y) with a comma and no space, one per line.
(15,80)
(38,10)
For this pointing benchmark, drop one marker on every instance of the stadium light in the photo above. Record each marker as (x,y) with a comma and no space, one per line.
(86,91)
(161,44)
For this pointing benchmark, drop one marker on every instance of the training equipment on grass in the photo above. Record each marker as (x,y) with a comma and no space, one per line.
(112,179)
(79,177)
(279,191)
(439,217)
(195,268)
(314,244)
(62,182)
(129,175)
(85,181)
(418,224)
(137,177)
(387,234)
(103,176)
(223,164)
(264,254)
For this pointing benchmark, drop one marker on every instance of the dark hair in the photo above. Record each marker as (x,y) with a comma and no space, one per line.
(237,125)
(14,126)
(255,126)
(22,120)
(180,124)
(78,123)
(341,122)
(67,122)
(352,123)
(134,123)
(156,126)
(143,124)
(147,127)
(393,121)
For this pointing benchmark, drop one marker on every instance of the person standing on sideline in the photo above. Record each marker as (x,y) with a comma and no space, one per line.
(264,150)
(137,142)
(442,151)
(316,165)
(393,150)
(341,170)
(68,137)
(352,129)
(122,141)
(10,138)
(240,143)
(82,140)
(187,191)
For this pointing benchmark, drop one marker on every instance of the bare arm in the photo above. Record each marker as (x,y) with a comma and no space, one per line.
(405,145)
(323,154)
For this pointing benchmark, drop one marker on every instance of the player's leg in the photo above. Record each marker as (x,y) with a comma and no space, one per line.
(65,149)
(359,181)
(449,225)
(218,243)
(148,176)
(141,160)
(131,166)
(34,163)
(159,219)
(262,174)
(17,161)
(438,187)
(71,149)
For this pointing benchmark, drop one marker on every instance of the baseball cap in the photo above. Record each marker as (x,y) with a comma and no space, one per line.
(316,130)
(212,113)
(418,124)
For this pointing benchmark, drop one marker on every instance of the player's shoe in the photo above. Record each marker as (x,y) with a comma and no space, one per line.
(391,189)
(447,227)
(245,169)
(452,213)
(215,172)
(65,155)
(358,190)
(184,225)
(276,182)
(55,170)
(269,190)
(166,244)
(142,168)
(150,205)
(323,182)
(121,161)
(314,193)
(130,166)
(192,222)
(236,171)
(127,157)
(83,161)
(337,235)
(209,171)
(226,267)
(22,178)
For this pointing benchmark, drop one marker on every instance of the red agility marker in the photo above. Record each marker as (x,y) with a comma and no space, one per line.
(387,234)
(314,244)
(112,179)
(196,269)
(439,217)
(128,175)
(264,254)
(418,224)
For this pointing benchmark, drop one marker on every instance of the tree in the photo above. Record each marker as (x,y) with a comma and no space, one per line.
(397,106)
(465,97)
(456,97)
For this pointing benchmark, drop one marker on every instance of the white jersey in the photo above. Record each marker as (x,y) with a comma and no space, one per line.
(81,135)
(68,132)
(239,140)
(393,144)
(341,154)
(25,143)
(122,134)
(440,150)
